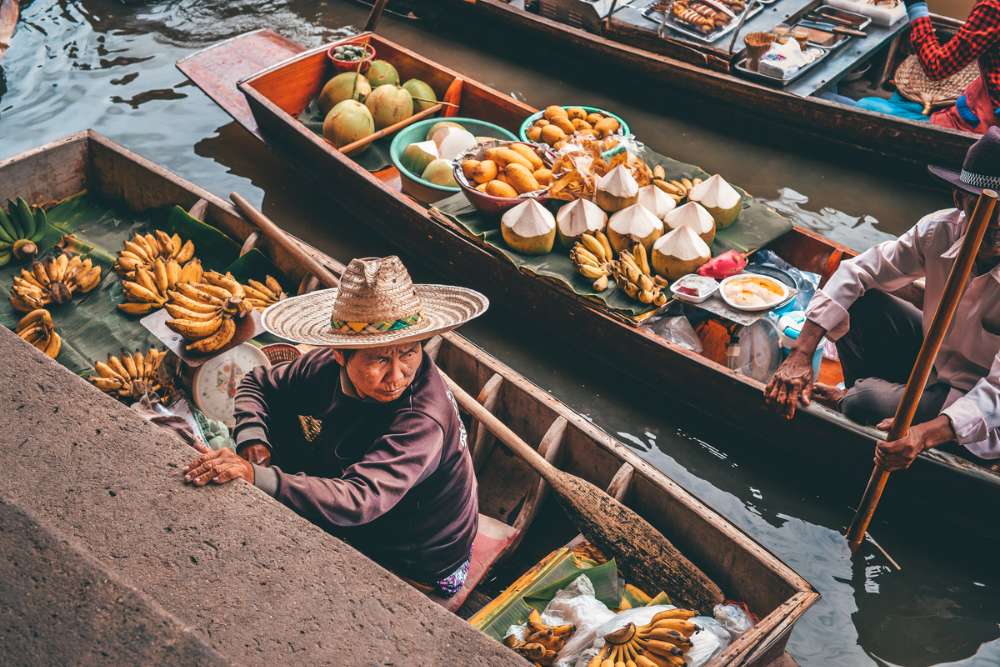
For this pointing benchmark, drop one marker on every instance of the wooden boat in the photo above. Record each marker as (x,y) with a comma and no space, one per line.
(511,495)
(642,53)
(278,78)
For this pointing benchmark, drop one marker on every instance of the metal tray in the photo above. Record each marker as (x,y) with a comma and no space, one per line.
(860,22)
(757,76)
(653,15)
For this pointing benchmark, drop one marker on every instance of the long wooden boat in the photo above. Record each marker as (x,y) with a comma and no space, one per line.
(511,496)
(642,54)
(278,78)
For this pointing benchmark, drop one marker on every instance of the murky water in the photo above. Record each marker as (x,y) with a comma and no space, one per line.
(109,65)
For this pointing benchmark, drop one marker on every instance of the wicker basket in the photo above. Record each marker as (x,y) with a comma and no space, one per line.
(913,83)
(278,353)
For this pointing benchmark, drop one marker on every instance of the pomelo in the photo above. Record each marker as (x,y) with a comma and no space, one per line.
(347,122)
(381,73)
(339,88)
(424,96)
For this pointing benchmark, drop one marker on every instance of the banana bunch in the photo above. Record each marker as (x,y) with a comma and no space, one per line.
(20,231)
(37,329)
(632,273)
(144,249)
(661,643)
(147,288)
(260,295)
(204,313)
(678,188)
(130,376)
(541,642)
(591,256)
(53,281)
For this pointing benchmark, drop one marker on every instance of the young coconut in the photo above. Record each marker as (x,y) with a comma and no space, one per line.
(577,218)
(452,142)
(635,224)
(389,105)
(439,127)
(693,215)
(616,190)
(679,253)
(440,172)
(381,73)
(347,122)
(719,198)
(417,156)
(423,95)
(529,228)
(656,200)
(342,87)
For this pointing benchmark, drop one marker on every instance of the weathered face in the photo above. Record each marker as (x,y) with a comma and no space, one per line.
(990,250)
(383,374)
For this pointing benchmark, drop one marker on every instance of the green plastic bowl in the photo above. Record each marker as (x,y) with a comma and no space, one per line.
(529,121)
(413,184)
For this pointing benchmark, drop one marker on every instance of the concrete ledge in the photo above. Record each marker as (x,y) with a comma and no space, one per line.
(248,577)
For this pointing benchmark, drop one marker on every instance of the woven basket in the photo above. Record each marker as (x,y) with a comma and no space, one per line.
(278,353)
(913,83)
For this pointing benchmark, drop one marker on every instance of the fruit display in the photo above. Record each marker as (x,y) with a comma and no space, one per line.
(204,313)
(389,104)
(382,73)
(693,215)
(260,295)
(616,189)
(344,86)
(142,250)
(679,252)
(147,289)
(21,228)
(529,228)
(719,198)
(580,168)
(579,217)
(130,376)
(632,273)
(663,642)
(53,281)
(541,642)
(507,170)
(423,95)
(635,224)
(559,125)
(592,256)
(656,201)
(37,329)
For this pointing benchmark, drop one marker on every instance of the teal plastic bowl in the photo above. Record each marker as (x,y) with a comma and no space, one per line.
(413,184)
(530,120)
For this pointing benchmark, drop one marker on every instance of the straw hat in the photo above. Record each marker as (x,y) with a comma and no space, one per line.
(376,305)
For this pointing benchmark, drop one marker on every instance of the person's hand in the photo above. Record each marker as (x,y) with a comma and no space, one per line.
(900,454)
(791,383)
(259,454)
(219,467)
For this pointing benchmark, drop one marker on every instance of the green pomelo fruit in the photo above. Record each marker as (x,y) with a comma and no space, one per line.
(424,96)
(381,73)
(347,122)
(339,88)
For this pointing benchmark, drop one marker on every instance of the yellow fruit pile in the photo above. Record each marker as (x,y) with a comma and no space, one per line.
(541,642)
(143,249)
(37,329)
(508,171)
(661,643)
(148,288)
(53,281)
(130,376)
(558,124)
(592,256)
(260,295)
(204,313)
(632,273)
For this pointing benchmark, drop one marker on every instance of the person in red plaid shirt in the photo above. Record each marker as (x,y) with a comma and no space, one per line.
(979,38)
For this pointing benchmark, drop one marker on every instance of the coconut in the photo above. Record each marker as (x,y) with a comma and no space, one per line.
(617,189)
(693,215)
(424,96)
(340,88)
(440,172)
(438,127)
(719,198)
(529,228)
(389,105)
(656,200)
(577,218)
(347,122)
(453,141)
(679,253)
(381,73)
(635,224)
(417,156)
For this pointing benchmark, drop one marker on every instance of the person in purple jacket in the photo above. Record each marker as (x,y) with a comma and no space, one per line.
(361,435)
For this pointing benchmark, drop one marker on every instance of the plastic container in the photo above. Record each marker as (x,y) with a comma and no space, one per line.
(703,286)
(880,14)
(789,328)
(351,65)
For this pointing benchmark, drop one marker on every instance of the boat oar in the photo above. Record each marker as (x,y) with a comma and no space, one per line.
(955,286)
(645,556)
(377,8)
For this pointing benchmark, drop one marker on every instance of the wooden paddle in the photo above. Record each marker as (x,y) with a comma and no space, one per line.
(377,8)
(645,556)
(958,279)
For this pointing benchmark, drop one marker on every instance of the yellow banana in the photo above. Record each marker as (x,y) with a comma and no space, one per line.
(594,246)
(195,329)
(140,364)
(115,363)
(588,271)
(185,253)
(140,293)
(160,276)
(173,274)
(226,282)
(602,238)
(216,341)
(106,371)
(129,364)
(133,308)
(683,614)
(144,277)
(181,313)
(192,272)
(274,286)
(166,245)
(195,305)
(106,384)
(35,316)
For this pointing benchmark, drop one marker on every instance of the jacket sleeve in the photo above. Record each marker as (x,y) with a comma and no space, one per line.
(976,416)
(981,31)
(399,460)
(888,266)
(302,387)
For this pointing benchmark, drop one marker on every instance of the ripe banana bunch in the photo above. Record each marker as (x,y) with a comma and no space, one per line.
(678,188)
(37,329)
(541,642)
(130,376)
(661,643)
(204,312)
(260,295)
(632,273)
(591,256)
(54,281)
(20,231)
(144,249)
(147,287)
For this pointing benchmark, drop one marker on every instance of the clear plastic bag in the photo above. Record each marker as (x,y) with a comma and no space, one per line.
(755,350)
(677,329)
(732,618)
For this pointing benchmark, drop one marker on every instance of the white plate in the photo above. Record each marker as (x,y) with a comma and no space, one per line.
(785,291)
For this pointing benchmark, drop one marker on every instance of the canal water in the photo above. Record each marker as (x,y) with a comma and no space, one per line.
(109,65)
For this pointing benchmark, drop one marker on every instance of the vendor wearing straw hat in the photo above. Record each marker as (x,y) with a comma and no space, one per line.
(878,335)
(387,467)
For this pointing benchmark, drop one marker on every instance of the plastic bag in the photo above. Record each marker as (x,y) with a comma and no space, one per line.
(578,605)
(806,282)
(732,618)
(677,329)
(722,266)
(755,350)
(709,640)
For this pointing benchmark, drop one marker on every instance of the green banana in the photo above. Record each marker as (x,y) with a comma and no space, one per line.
(24,219)
(6,228)
(15,218)
(40,222)
(29,222)
(5,258)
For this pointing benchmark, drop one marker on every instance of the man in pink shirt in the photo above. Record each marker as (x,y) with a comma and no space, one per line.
(878,335)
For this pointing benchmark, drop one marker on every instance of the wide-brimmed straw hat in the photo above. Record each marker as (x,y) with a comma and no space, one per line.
(981,168)
(376,305)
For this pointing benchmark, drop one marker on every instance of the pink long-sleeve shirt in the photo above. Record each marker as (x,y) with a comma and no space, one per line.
(969,360)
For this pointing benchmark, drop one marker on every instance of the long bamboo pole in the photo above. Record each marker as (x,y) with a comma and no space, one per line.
(643,553)
(958,279)
(377,8)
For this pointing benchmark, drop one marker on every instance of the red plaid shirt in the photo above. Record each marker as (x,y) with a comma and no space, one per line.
(979,37)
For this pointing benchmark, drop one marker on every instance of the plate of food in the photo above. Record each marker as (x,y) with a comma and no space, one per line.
(753,292)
